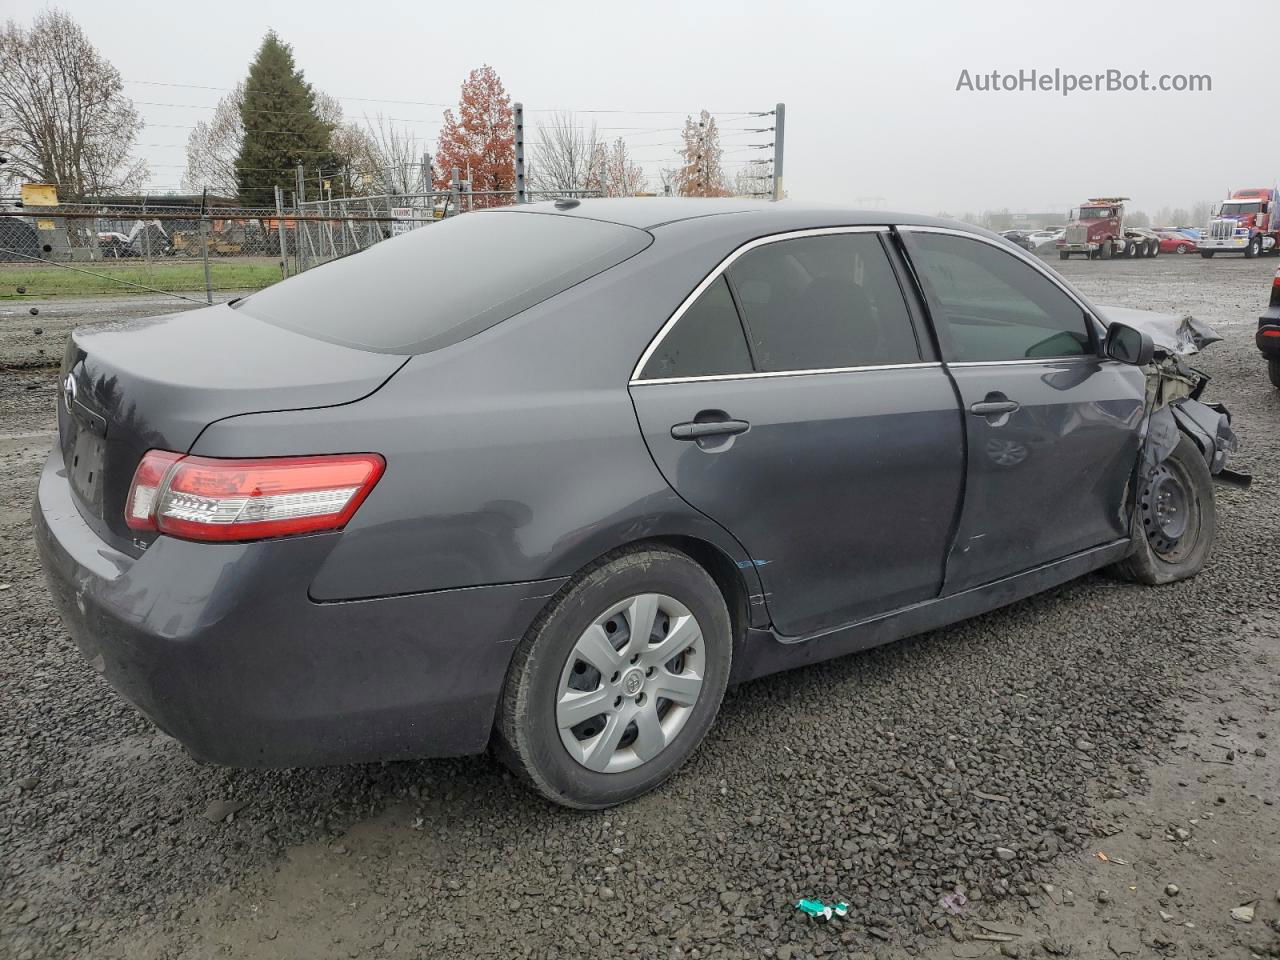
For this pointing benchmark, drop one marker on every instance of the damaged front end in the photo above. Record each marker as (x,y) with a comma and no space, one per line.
(1173,399)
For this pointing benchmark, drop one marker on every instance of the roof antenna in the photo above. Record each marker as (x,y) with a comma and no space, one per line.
(567,203)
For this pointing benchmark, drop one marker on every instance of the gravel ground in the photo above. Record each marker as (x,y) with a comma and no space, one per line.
(993,758)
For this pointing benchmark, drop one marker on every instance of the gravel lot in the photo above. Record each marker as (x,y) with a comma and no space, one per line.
(995,758)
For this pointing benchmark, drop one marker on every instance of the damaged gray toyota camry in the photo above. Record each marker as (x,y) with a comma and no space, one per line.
(549,478)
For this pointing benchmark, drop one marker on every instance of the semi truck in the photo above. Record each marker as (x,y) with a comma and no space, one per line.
(1097,229)
(1246,222)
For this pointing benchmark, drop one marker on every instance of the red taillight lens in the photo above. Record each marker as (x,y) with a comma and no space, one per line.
(1276,281)
(140,508)
(202,498)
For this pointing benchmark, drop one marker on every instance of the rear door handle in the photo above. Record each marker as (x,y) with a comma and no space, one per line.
(993,408)
(695,430)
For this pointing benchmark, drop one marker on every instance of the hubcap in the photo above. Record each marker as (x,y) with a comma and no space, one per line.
(630,683)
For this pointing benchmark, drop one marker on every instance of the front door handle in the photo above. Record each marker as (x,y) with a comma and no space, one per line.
(994,408)
(696,430)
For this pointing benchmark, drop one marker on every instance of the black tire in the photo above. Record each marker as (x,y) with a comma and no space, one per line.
(1064,255)
(1104,251)
(528,739)
(1157,558)
(1253,249)
(1131,248)
(1153,248)
(1208,254)
(1273,371)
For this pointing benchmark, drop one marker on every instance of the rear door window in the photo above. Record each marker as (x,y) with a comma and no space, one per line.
(445,281)
(994,306)
(706,341)
(823,302)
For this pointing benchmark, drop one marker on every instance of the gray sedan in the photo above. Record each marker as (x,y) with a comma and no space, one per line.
(549,478)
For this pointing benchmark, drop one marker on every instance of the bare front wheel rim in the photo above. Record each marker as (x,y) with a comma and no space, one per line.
(630,683)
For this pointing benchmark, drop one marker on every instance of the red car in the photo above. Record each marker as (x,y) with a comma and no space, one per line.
(1173,242)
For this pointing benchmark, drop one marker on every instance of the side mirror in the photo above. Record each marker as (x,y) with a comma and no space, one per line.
(1128,345)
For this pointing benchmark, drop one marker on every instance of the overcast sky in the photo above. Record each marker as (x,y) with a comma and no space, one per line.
(873,114)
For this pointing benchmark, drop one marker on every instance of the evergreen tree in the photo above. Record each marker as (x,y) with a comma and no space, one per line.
(281,128)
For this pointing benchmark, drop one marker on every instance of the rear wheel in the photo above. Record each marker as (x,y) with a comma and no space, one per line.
(618,681)
(1273,370)
(1131,248)
(1176,521)
(1153,248)
(1180,248)
(1064,255)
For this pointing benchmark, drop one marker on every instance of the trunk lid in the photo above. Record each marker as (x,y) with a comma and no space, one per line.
(157,383)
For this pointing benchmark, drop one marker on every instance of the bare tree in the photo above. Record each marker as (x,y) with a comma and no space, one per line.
(754,179)
(614,173)
(383,159)
(63,116)
(567,156)
(213,146)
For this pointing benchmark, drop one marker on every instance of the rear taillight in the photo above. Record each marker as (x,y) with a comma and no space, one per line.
(203,498)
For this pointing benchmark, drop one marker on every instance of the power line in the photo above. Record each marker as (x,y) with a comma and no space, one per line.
(196,86)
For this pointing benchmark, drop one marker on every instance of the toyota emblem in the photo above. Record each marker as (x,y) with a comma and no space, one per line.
(69,392)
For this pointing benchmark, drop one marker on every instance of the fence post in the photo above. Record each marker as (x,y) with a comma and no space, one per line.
(204,245)
(299,196)
(455,191)
(779,124)
(146,232)
(518,116)
(284,250)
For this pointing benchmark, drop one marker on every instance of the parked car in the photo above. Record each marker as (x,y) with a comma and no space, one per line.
(1019,238)
(1044,238)
(1172,241)
(630,452)
(1268,338)
(114,245)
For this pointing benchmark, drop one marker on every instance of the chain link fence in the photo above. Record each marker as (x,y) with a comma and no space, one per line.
(184,247)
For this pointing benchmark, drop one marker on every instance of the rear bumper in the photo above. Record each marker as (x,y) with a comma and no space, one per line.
(1268,336)
(221,646)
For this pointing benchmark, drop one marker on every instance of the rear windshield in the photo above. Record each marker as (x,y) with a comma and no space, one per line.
(445,281)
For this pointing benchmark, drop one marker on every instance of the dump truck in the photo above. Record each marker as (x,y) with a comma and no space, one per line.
(1097,229)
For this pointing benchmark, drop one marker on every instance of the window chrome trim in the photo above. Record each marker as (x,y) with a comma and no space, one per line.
(1070,358)
(766,374)
(1025,257)
(714,275)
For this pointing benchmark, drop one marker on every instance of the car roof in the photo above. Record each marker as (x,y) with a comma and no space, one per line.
(648,213)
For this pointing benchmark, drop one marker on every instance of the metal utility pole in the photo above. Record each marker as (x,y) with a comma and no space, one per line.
(284,256)
(518,115)
(779,127)
(204,245)
(299,196)
(455,192)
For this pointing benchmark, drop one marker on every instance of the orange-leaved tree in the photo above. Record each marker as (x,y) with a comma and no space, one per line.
(480,140)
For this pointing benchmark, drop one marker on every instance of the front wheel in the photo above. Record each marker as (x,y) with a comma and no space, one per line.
(1176,520)
(1180,248)
(1273,371)
(1208,254)
(1254,248)
(618,680)
(1064,255)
